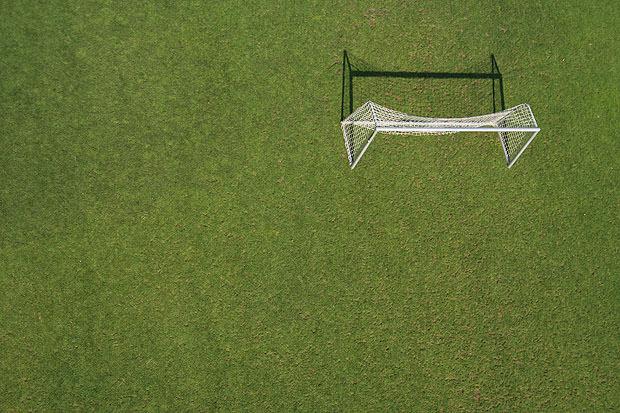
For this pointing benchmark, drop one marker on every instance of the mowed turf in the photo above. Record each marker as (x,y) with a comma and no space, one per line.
(180,231)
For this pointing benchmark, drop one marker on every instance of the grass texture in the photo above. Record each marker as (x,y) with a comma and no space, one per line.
(180,231)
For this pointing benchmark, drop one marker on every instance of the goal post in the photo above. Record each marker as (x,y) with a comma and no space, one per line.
(516,128)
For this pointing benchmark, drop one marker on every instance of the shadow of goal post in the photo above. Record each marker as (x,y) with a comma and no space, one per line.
(516,128)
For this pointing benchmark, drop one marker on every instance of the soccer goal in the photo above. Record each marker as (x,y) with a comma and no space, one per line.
(516,128)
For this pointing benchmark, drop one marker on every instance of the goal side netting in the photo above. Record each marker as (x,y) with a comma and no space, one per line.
(516,128)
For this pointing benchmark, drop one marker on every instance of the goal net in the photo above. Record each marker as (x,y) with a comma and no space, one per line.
(516,128)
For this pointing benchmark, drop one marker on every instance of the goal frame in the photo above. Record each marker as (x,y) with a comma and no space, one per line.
(512,138)
(379,126)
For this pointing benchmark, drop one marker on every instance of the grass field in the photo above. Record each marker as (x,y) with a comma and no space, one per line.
(180,231)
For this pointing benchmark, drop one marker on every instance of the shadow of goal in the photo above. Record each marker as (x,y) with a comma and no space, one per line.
(443,107)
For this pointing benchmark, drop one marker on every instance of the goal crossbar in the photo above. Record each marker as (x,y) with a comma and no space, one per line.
(516,128)
(451,130)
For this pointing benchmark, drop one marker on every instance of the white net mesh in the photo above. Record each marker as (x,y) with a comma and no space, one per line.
(516,128)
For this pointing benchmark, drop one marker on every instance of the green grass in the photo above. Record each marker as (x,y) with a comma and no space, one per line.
(179,229)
